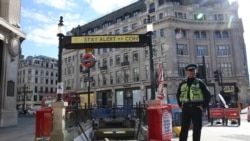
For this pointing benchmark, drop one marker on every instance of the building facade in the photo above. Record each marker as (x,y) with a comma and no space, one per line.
(37,77)
(11,37)
(207,33)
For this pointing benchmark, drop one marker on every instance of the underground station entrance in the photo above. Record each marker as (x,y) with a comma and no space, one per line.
(109,123)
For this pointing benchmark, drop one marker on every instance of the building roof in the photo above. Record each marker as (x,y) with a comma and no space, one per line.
(138,6)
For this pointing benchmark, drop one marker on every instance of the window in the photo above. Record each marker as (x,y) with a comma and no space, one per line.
(217,34)
(226,69)
(182,49)
(160,2)
(203,35)
(98,51)
(154,35)
(225,34)
(135,13)
(219,17)
(104,79)
(47,73)
(117,60)
(104,62)
(221,34)
(117,31)
(180,33)
(146,53)
(81,82)
(111,61)
(118,20)
(104,50)
(161,16)
(181,69)
(126,75)
(117,75)
(125,29)
(155,51)
(111,78)
(223,50)
(29,71)
(126,16)
(98,63)
(163,49)
(202,50)
(180,15)
(134,25)
(125,57)
(136,76)
(147,72)
(135,56)
(153,18)
(151,8)
(41,80)
(196,35)
(162,32)
(41,72)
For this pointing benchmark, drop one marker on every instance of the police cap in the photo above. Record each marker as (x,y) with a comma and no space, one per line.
(191,67)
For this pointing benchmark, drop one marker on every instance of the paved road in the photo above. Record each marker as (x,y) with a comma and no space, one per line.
(23,131)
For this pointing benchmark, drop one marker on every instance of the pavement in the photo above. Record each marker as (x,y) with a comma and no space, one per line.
(219,132)
(25,130)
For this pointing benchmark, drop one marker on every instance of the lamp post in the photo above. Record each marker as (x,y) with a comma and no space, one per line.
(24,99)
(151,61)
(60,38)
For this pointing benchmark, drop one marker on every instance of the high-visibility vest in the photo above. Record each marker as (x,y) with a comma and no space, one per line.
(194,92)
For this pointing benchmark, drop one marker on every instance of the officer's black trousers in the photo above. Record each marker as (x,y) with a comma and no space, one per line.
(194,114)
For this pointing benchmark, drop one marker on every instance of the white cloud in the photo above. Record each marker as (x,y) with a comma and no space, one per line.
(42,27)
(106,6)
(58,4)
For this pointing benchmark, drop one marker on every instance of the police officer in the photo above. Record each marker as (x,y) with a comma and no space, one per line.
(193,96)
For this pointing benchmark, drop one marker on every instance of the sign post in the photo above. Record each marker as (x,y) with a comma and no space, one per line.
(59,89)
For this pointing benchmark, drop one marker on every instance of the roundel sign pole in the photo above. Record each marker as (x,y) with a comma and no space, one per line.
(88,60)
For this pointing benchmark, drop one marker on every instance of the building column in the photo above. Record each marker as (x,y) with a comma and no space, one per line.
(59,116)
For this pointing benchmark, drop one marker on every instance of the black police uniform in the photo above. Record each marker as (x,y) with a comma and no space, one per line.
(190,111)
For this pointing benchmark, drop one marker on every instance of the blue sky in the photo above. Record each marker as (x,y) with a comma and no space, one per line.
(39,19)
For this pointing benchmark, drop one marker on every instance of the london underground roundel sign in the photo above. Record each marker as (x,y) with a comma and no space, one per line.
(88,60)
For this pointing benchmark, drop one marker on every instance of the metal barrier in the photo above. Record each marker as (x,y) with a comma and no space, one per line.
(225,114)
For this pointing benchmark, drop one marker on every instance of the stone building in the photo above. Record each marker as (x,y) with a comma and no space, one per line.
(37,77)
(206,33)
(11,37)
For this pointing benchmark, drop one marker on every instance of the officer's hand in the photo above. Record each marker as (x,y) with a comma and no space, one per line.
(200,107)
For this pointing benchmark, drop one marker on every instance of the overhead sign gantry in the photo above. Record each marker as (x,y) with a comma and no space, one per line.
(104,41)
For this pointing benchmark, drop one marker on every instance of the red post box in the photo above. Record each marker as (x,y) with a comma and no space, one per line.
(43,123)
(159,123)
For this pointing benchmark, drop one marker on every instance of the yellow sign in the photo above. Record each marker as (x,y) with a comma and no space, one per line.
(105,39)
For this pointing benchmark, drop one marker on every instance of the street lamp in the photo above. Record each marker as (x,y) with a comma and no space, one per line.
(149,34)
(60,38)
(24,99)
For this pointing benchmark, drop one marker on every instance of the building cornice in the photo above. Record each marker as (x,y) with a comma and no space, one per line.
(12,28)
